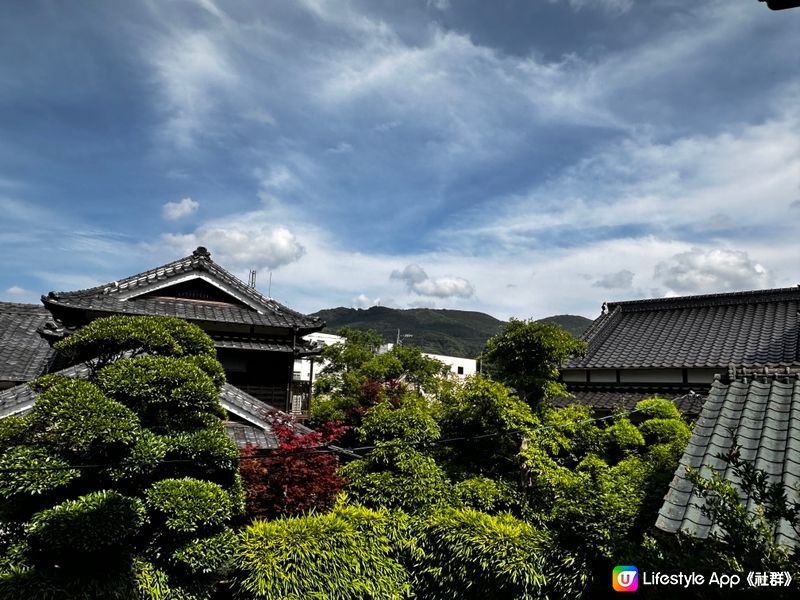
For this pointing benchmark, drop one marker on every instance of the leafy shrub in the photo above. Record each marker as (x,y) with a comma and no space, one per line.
(188,505)
(411,422)
(168,394)
(208,556)
(348,554)
(486,495)
(475,555)
(109,338)
(82,534)
(30,477)
(666,431)
(395,475)
(623,438)
(74,418)
(480,407)
(657,408)
(297,477)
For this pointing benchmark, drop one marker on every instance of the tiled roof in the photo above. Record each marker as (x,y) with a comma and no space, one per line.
(303,347)
(745,328)
(245,435)
(764,419)
(24,353)
(609,398)
(253,425)
(127,296)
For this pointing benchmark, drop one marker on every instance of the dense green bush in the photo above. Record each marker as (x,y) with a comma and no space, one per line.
(113,487)
(169,394)
(108,339)
(396,475)
(85,533)
(76,420)
(412,423)
(351,553)
(473,555)
(188,505)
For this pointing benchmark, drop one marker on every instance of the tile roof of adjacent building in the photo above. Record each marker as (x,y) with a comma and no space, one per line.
(609,398)
(126,296)
(254,416)
(24,352)
(763,418)
(754,328)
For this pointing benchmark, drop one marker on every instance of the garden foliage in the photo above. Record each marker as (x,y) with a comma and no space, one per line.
(112,484)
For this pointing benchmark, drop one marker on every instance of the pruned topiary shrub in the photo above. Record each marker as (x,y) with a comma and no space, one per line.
(85,533)
(169,394)
(108,339)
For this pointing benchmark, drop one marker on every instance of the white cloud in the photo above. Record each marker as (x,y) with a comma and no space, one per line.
(15,290)
(716,270)
(364,301)
(620,280)
(172,211)
(705,184)
(240,246)
(417,281)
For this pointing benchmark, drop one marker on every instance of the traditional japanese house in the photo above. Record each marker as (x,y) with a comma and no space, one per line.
(257,339)
(673,347)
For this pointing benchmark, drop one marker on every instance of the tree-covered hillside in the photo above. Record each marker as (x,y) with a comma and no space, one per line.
(438,331)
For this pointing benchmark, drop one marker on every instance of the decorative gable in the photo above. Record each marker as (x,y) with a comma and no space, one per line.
(194,289)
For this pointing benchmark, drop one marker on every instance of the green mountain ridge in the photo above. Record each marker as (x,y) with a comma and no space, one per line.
(437,331)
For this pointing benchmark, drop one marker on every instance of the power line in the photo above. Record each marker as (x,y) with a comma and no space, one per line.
(330,449)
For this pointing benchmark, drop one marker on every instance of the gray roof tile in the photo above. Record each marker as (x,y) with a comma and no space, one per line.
(610,397)
(764,419)
(745,329)
(24,352)
(131,295)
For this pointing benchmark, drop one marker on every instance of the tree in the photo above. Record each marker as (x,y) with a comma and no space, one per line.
(526,355)
(397,473)
(298,477)
(489,411)
(598,488)
(121,484)
(357,377)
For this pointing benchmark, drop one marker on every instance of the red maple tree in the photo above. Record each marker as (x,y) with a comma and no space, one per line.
(300,475)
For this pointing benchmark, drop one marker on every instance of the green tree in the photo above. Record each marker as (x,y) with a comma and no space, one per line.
(398,472)
(493,421)
(597,489)
(526,355)
(357,377)
(122,484)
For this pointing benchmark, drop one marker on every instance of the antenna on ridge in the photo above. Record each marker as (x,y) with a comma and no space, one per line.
(251,280)
(269,290)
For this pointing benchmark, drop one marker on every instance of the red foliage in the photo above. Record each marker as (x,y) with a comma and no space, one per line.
(297,477)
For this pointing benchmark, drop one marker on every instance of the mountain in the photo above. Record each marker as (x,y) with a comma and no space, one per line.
(575,324)
(437,331)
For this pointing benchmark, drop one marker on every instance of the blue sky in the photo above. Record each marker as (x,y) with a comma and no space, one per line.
(522,158)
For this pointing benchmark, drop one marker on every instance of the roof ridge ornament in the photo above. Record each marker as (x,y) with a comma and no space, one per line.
(202,252)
